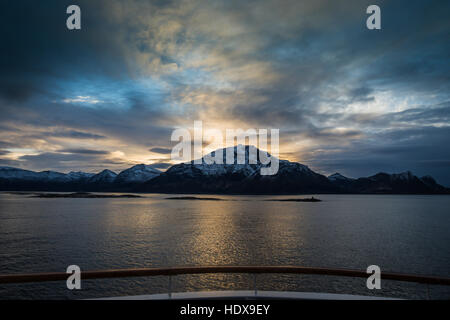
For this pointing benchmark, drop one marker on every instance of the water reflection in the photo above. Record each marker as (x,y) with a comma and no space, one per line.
(399,233)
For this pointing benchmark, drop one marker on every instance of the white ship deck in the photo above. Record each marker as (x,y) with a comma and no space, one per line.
(247,295)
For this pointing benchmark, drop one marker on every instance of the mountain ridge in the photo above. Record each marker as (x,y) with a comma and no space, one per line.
(200,177)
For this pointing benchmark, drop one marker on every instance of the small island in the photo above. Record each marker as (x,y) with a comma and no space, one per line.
(83,195)
(312,199)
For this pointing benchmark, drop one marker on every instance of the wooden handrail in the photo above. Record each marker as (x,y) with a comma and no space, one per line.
(125,273)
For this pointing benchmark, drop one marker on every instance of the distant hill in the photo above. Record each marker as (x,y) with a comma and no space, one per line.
(138,174)
(401,183)
(246,178)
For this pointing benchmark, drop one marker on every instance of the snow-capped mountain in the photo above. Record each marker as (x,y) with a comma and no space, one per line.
(137,173)
(340,181)
(18,174)
(338,177)
(53,176)
(208,167)
(246,178)
(105,176)
(79,175)
(19,179)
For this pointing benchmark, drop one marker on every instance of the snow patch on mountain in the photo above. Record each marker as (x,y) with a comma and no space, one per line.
(404,176)
(20,174)
(137,173)
(338,177)
(251,166)
(245,161)
(53,176)
(106,176)
(79,175)
(16,173)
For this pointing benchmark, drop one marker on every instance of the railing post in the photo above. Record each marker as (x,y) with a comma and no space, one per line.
(170,287)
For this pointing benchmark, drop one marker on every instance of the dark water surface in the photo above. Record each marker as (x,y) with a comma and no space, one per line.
(408,234)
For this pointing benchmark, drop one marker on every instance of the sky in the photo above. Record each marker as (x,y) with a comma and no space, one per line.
(345,98)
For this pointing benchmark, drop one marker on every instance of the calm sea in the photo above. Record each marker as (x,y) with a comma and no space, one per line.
(408,234)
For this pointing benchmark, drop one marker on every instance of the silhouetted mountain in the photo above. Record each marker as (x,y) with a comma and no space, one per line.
(339,177)
(234,178)
(80,176)
(340,181)
(26,180)
(402,183)
(106,176)
(237,178)
(137,174)
(432,184)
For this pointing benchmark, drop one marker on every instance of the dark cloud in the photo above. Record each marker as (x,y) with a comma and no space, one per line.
(361,94)
(39,50)
(4,144)
(3,152)
(84,151)
(64,161)
(53,156)
(161,150)
(75,134)
(160,165)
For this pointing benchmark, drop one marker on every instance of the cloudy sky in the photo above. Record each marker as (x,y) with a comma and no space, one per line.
(345,98)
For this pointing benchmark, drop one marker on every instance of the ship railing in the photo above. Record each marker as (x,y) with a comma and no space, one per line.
(253,270)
